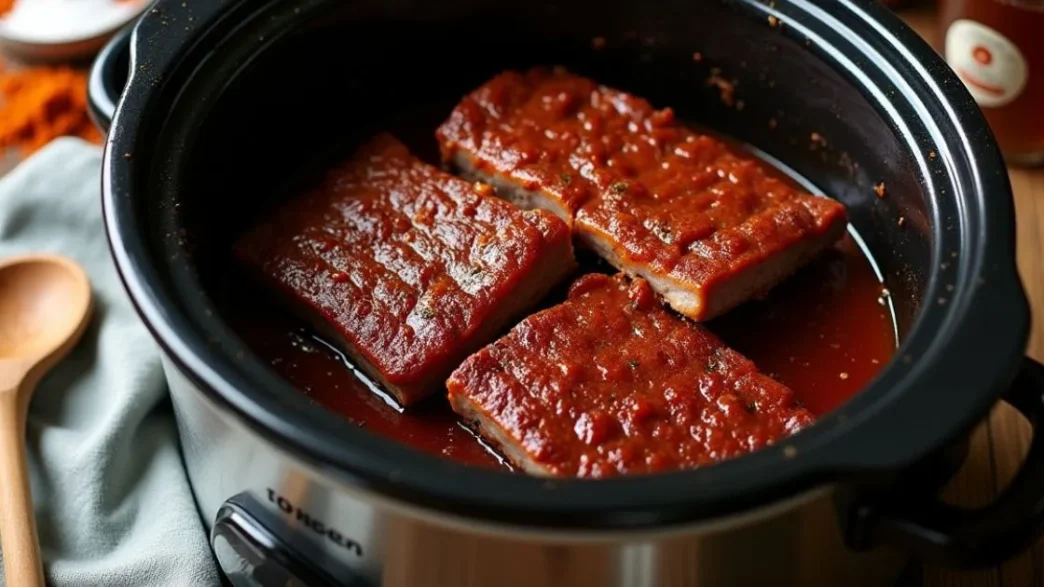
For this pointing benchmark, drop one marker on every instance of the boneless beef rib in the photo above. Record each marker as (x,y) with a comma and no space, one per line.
(610,383)
(708,227)
(409,268)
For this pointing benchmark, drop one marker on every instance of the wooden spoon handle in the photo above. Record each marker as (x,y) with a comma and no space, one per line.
(21,549)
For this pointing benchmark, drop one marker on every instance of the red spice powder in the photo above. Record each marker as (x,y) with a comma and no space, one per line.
(39,104)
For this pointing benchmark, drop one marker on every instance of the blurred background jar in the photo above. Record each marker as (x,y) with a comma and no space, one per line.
(996,47)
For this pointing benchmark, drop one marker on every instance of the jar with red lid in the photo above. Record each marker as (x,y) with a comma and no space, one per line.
(996,47)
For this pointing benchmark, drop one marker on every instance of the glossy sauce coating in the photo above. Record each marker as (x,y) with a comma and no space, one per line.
(825,333)
(822,333)
(611,383)
(323,374)
(680,203)
(402,261)
(824,322)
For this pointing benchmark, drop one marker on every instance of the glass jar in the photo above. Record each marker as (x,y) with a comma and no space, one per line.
(996,47)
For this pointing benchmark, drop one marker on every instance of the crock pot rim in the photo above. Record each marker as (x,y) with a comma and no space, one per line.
(357,457)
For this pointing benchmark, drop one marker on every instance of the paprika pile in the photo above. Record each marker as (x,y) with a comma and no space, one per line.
(38,104)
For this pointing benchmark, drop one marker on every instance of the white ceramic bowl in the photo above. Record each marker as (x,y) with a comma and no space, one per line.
(64,30)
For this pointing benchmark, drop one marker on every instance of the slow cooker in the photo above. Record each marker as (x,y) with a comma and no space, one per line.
(210,105)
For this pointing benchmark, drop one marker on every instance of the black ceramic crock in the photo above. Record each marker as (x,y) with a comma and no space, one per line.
(226,101)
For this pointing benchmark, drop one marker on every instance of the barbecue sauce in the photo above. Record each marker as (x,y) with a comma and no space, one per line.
(826,332)
(996,48)
(610,382)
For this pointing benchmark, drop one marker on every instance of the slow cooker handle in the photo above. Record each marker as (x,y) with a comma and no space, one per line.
(107,78)
(973,538)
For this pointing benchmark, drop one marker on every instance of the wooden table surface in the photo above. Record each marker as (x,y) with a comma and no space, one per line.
(1000,443)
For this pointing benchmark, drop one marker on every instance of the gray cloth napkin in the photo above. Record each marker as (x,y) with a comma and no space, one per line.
(113,505)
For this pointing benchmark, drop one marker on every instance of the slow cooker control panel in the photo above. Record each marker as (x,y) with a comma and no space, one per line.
(250,555)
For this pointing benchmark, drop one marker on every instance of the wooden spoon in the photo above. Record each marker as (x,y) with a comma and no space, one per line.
(45,305)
